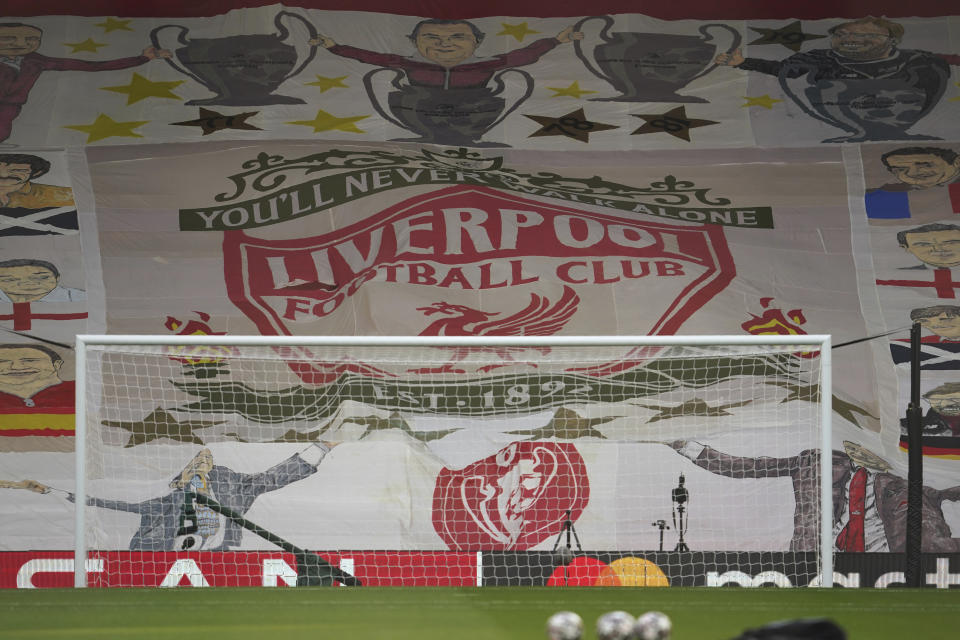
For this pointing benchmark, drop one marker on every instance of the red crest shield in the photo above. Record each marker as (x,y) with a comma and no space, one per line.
(511,500)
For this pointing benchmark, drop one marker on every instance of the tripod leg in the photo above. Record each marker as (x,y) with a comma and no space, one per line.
(576,537)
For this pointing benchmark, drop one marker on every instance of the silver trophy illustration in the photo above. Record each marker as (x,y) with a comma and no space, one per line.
(651,67)
(866,108)
(240,69)
(454,117)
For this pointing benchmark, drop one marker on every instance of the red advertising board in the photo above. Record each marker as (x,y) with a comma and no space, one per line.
(40,569)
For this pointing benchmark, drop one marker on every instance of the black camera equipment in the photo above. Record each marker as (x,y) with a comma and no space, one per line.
(663,525)
(566,552)
(563,554)
(680,495)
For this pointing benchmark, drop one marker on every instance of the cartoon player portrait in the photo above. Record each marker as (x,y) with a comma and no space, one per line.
(936,245)
(21,66)
(29,208)
(942,320)
(447,97)
(938,351)
(869,502)
(18,189)
(921,167)
(927,186)
(940,434)
(864,84)
(31,280)
(30,381)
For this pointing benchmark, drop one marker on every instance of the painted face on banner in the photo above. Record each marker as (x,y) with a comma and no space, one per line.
(27,366)
(945,324)
(446,44)
(19,41)
(936,248)
(14,174)
(864,457)
(861,41)
(923,169)
(514,499)
(198,468)
(946,403)
(27,283)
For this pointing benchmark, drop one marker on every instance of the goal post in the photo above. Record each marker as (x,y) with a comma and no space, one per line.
(454,454)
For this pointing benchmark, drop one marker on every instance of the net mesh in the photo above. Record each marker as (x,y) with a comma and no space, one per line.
(432,465)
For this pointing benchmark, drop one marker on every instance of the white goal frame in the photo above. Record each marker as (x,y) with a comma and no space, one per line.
(821,341)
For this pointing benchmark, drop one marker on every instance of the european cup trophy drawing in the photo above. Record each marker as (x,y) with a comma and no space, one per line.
(242,70)
(866,108)
(650,67)
(452,117)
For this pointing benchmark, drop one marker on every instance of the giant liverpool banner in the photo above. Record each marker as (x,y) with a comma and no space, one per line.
(281,171)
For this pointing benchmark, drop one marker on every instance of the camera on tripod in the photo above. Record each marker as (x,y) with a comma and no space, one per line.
(680,493)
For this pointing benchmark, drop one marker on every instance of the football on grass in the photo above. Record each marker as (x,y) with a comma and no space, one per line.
(615,625)
(652,625)
(564,625)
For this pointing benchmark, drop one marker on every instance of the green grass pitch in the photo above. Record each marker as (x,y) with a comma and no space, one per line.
(485,613)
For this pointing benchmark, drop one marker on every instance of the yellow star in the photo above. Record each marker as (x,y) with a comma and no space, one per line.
(518,31)
(326,122)
(764,101)
(114,25)
(105,127)
(86,45)
(574,91)
(327,83)
(140,88)
(958,97)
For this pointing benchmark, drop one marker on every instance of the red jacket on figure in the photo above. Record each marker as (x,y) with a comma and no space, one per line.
(15,84)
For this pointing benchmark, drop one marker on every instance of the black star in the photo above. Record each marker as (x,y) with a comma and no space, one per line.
(675,122)
(292,435)
(811,393)
(573,125)
(805,392)
(396,421)
(567,425)
(161,424)
(694,407)
(210,121)
(790,36)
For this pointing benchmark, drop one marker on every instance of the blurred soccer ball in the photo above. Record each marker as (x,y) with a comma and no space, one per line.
(615,625)
(564,625)
(563,555)
(652,625)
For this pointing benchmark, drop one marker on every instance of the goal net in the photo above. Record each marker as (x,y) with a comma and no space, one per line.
(635,461)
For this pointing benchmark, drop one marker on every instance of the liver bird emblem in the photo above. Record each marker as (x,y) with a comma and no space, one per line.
(540,317)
